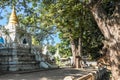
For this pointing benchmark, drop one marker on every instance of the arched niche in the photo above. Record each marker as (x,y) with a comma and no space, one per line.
(24,40)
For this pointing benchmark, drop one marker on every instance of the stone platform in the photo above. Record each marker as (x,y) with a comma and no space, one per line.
(17,59)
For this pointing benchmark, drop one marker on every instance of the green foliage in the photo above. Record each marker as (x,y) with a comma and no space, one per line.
(65,18)
(65,49)
(92,41)
(52,49)
(109,6)
(74,21)
(34,41)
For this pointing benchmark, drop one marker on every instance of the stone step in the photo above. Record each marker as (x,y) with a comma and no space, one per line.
(14,50)
(13,59)
(18,63)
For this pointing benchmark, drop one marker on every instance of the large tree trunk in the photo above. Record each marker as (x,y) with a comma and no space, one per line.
(110,27)
(76,51)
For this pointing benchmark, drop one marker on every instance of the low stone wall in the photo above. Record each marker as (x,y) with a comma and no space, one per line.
(96,75)
(93,75)
(89,76)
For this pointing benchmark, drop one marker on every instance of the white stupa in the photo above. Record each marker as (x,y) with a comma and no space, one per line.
(14,33)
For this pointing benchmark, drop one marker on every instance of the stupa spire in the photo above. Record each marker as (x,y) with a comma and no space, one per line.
(13,17)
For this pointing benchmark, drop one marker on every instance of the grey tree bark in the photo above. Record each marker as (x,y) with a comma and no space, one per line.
(76,52)
(110,28)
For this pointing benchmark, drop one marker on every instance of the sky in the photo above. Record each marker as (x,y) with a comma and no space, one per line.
(5,20)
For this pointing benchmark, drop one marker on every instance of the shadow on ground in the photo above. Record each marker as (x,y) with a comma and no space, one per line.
(57,74)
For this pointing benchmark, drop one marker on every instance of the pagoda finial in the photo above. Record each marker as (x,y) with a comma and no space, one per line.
(13,17)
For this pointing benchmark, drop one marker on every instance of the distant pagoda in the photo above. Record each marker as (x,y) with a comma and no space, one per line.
(15,54)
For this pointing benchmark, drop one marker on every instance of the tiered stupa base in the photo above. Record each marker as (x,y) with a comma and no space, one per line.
(17,59)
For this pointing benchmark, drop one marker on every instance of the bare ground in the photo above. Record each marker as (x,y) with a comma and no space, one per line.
(56,74)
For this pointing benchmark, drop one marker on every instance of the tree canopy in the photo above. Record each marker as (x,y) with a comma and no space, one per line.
(74,21)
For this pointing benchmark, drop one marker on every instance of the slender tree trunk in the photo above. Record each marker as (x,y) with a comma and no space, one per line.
(73,48)
(75,52)
(110,27)
(80,51)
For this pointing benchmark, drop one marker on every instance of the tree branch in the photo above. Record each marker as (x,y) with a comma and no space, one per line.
(100,17)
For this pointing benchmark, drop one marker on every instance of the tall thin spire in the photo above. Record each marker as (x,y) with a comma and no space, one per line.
(13,17)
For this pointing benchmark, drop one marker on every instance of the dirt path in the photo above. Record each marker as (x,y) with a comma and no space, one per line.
(57,74)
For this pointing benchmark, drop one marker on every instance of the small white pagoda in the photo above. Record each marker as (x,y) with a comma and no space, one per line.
(15,55)
(16,34)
